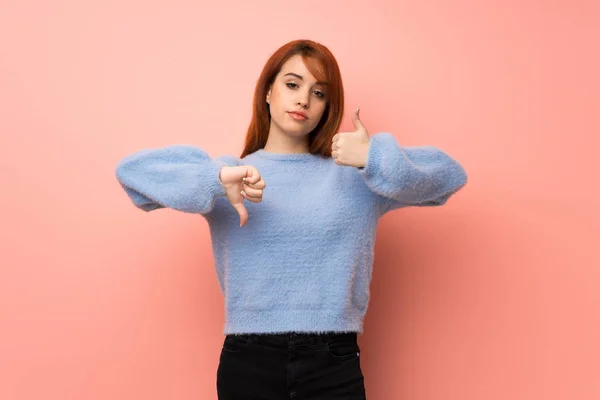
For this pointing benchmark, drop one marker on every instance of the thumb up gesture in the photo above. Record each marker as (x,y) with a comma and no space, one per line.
(351,148)
(242,182)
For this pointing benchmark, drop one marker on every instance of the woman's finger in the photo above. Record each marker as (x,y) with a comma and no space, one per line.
(260,184)
(251,180)
(252,199)
(252,192)
(253,176)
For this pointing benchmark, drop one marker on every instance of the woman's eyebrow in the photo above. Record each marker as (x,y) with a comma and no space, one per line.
(296,75)
(301,78)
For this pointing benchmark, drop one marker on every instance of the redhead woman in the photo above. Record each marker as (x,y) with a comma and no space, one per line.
(293,222)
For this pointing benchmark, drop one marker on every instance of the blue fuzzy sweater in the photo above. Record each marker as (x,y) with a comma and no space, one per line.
(303,261)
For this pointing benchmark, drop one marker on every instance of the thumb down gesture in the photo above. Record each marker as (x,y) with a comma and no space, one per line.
(242,182)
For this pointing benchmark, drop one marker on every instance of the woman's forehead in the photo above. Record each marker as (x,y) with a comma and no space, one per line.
(295,67)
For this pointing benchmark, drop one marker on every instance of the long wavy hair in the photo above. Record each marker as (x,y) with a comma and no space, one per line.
(323,66)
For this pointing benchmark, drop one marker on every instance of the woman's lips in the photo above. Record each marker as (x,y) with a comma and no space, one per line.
(297,116)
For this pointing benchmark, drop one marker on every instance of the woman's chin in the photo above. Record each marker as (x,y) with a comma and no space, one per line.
(293,130)
(296,131)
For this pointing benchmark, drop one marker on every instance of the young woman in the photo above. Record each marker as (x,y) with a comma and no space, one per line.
(293,222)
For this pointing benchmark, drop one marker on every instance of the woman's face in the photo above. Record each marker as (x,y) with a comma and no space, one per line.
(295,89)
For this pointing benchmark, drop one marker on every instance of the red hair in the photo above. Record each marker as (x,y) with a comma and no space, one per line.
(323,66)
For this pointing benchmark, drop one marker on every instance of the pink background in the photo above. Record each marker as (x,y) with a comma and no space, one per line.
(493,296)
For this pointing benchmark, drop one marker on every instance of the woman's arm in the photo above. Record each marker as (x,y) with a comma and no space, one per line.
(410,176)
(181,177)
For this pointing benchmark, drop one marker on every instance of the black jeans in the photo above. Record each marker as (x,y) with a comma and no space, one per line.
(301,366)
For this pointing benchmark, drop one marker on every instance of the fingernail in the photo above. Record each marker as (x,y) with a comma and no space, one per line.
(242,193)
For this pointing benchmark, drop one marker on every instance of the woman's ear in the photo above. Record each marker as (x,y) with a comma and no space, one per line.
(269,96)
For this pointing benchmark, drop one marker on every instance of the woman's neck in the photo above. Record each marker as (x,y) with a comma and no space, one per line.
(281,143)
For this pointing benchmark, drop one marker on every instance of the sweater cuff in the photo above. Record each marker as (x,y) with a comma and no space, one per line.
(216,186)
(371,169)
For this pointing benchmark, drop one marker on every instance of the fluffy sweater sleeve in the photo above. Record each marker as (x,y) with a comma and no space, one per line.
(410,176)
(181,177)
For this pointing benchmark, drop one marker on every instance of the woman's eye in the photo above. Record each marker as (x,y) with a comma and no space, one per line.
(292,85)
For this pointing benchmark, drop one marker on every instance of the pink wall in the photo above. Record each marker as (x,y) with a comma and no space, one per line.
(493,296)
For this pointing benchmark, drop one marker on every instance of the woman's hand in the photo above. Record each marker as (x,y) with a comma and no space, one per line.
(242,182)
(352,148)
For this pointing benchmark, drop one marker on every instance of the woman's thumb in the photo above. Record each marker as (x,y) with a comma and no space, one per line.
(241,210)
